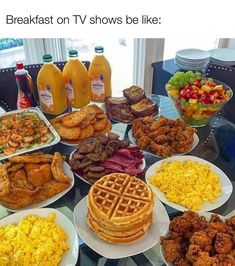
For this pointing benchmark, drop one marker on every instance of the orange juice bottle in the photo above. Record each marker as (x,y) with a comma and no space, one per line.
(100,76)
(77,84)
(51,91)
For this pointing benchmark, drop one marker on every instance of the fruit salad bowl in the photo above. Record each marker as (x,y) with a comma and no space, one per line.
(197,98)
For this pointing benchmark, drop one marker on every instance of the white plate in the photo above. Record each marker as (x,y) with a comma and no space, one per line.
(192,54)
(223,56)
(71,255)
(142,166)
(194,144)
(158,228)
(226,185)
(69,173)
(207,215)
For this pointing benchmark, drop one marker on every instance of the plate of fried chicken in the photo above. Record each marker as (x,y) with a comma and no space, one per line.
(34,180)
(163,137)
(199,239)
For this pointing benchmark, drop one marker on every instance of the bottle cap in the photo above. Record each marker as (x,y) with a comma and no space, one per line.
(73,53)
(47,58)
(19,65)
(99,49)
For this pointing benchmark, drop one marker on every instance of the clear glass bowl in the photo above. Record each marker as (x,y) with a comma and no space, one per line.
(197,114)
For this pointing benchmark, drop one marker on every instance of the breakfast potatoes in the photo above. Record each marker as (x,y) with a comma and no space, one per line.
(79,125)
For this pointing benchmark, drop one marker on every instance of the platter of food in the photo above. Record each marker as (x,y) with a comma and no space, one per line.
(120,217)
(199,238)
(24,131)
(189,183)
(133,104)
(82,124)
(104,154)
(34,181)
(42,236)
(163,137)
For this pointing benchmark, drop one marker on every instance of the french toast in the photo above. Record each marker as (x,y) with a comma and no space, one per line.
(145,107)
(134,94)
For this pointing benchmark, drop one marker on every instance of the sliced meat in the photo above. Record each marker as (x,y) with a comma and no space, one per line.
(113,166)
(132,170)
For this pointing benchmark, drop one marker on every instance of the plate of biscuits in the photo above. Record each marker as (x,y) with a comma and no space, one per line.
(105,154)
(120,217)
(82,124)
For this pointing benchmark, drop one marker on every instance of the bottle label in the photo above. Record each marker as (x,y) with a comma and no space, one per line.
(22,100)
(97,87)
(46,98)
(69,91)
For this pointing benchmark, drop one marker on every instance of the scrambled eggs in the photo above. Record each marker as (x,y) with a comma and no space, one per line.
(188,183)
(34,241)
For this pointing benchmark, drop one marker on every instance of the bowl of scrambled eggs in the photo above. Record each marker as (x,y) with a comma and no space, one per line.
(189,183)
(38,237)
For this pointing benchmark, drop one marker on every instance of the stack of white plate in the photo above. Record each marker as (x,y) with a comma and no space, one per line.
(223,56)
(192,59)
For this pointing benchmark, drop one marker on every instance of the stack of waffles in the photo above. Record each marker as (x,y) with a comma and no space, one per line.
(120,208)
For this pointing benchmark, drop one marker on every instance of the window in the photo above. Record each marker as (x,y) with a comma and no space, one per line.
(172,45)
(11,50)
(119,53)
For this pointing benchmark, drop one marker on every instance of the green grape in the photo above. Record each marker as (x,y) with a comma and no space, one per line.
(191,80)
(181,83)
(202,82)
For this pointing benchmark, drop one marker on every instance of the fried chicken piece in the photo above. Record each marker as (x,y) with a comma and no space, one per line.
(161,139)
(20,180)
(232,252)
(174,235)
(231,222)
(223,243)
(225,260)
(15,167)
(197,222)
(32,158)
(159,131)
(4,181)
(40,176)
(201,239)
(160,122)
(193,253)
(143,142)
(49,189)
(56,168)
(180,224)
(205,260)
(172,250)
(18,198)
(215,218)
(181,262)
(160,150)
(31,166)
(180,123)
(219,226)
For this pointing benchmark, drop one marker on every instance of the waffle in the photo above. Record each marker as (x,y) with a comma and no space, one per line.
(119,208)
